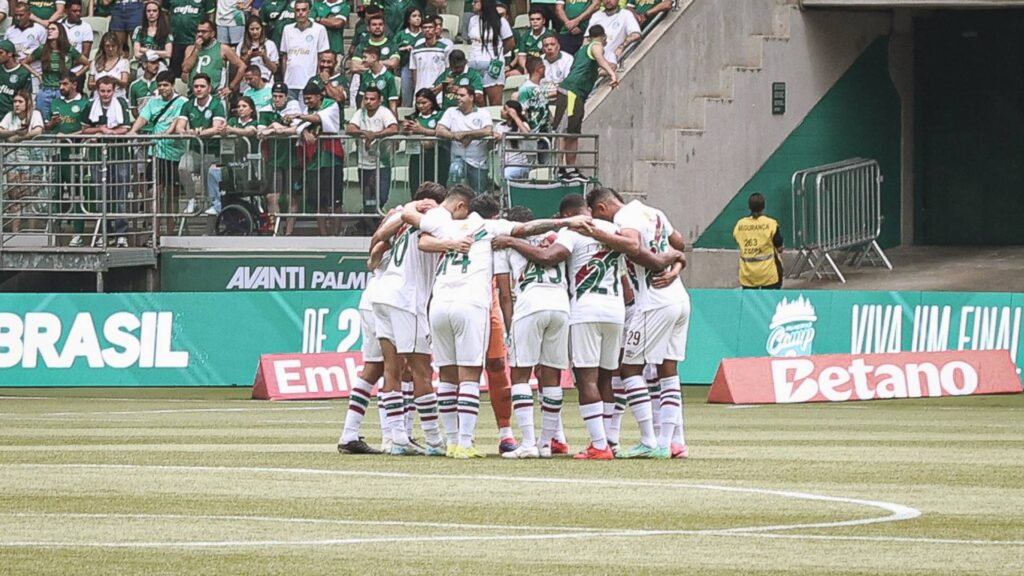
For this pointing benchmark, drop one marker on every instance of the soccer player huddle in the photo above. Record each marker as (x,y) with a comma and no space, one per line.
(596,289)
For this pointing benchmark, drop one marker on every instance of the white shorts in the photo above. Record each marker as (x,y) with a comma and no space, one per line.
(371,346)
(655,336)
(458,333)
(630,313)
(596,345)
(542,338)
(409,332)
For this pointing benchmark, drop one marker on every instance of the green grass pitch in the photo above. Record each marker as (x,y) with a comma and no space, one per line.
(204,481)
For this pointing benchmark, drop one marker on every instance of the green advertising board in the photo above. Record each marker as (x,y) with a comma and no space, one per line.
(189,339)
(215,271)
(216,338)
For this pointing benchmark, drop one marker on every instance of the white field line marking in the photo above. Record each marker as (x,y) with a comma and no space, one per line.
(745,406)
(897,512)
(393,523)
(187,410)
(574,532)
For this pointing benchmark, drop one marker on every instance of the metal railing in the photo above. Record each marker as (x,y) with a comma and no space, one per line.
(96,192)
(837,214)
(645,30)
(86,192)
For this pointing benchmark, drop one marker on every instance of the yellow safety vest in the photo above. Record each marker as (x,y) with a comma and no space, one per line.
(755,237)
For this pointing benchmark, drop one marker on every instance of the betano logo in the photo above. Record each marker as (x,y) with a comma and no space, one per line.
(795,380)
(131,340)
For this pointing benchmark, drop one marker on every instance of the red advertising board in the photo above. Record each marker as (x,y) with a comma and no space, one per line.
(316,376)
(848,377)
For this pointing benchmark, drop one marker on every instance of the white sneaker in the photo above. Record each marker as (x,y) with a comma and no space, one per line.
(523,452)
(545,451)
(122,242)
(190,208)
(76,241)
(98,243)
(211,211)
(386,444)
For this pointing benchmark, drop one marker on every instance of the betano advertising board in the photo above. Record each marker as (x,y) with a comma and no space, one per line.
(216,338)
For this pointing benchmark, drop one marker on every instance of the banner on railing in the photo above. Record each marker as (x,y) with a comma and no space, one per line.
(189,271)
(216,339)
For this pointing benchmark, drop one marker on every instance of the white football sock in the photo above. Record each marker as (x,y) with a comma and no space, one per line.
(593,417)
(671,409)
(447,407)
(640,405)
(469,411)
(522,409)
(550,410)
(358,402)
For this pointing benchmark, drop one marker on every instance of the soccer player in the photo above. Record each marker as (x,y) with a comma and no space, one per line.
(350,441)
(540,333)
(657,333)
(460,308)
(400,312)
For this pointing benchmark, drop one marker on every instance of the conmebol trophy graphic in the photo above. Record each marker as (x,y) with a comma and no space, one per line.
(792,328)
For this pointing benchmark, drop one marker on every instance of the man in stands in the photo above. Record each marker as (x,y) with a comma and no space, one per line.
(458,74)
(646,10)
(110,115)
(372,123)
(658,330)
(378,76)
(556,63)
(332,81)
(533,95)
(302,42)
(202,117)
(621,29)
(185,18)
(572,96)
(529,42)
(467,126)
(573,14)
(284,176)
(429,55)
(760,243)
(210,57)
(13,76)
(259,90)
(144,87)
(158,116)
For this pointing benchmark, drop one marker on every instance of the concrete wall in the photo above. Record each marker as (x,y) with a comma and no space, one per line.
(692,122)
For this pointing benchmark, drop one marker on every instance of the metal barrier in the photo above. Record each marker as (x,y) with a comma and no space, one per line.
(97,192)
(644,31)
(841,213)
(87,192)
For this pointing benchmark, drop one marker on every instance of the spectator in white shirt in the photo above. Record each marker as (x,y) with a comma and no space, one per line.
(556,63)
(80,32)
(620,27)
(467,127)
(372,123)
(302,42)
(490,37)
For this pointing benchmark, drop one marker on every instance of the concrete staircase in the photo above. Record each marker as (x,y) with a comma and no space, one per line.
(703,126)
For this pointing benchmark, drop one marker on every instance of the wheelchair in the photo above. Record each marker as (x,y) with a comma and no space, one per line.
(243,198)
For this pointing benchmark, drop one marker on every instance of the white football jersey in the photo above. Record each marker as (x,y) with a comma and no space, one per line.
(366,299)
(594,271)
(536,289)
(466,278)
(409,276)
(654,229)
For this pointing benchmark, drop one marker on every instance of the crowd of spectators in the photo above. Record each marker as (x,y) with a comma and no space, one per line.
(265,70)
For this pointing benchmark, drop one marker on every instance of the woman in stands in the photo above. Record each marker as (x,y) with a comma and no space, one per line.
(257,49)
(516,159)
(57,56)
(490,36)
(242,124)
(110,62)
(428,160)
(21,123)
(405,40)
(153,40)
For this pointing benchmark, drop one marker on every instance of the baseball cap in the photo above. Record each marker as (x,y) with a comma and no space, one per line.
(312,88)
(279,88)
(7,46)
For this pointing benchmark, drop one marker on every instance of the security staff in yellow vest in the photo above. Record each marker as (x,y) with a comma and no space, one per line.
(760,243)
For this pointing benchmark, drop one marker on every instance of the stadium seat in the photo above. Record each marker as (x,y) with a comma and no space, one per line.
(450,23)
(352,174)
(522,22)
(495,112)
(512,83)
(100,25)
(180,87)
(404,111)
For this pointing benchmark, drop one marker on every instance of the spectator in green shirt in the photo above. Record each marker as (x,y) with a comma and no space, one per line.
(204,118)
(458,74)
(56,56)
(45,12)
(378,77)
(428,160)
(243,125)
(66,118)
(645,10)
